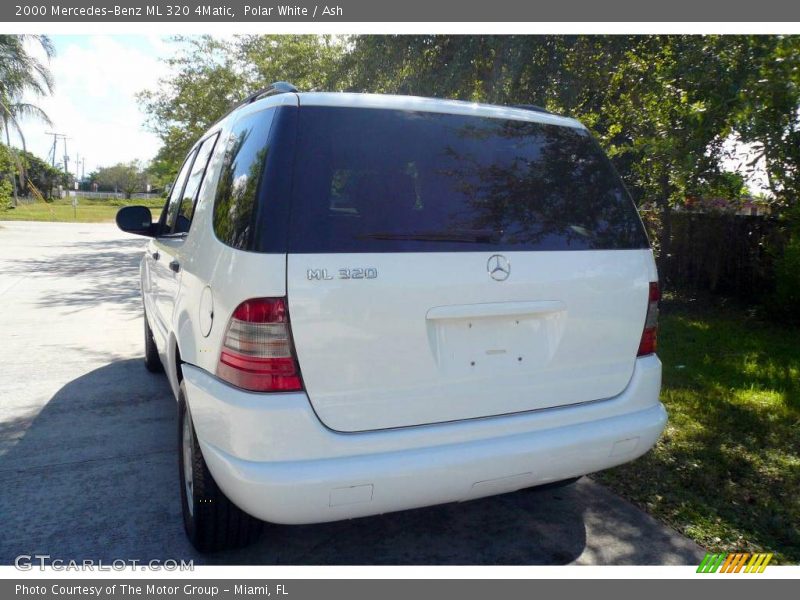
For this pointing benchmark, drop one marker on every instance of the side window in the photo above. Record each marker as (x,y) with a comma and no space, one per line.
(185,207)
(237,191)
(171,209)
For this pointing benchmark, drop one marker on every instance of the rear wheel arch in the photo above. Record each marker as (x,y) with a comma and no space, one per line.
(182,347)
(152,361)
(174,364)
(178,367)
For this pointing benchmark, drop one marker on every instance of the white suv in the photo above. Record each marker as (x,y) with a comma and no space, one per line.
(371,303)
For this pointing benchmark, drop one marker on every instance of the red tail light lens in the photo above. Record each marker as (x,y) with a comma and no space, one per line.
(257,352)
(649,340)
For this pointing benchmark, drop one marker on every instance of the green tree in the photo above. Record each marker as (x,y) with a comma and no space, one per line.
(209,76)
(40,176)
(21,74)
(666,114)
(7,174)
(160,174)
(127,178)
(769,101)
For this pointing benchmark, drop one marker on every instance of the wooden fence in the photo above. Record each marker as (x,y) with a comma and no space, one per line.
(722,254)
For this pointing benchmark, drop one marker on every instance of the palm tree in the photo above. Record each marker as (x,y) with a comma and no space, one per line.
(21,74)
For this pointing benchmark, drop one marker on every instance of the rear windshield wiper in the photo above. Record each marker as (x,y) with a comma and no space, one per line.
(471,237)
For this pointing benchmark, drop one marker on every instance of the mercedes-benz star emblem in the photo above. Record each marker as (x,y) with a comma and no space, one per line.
(498,266)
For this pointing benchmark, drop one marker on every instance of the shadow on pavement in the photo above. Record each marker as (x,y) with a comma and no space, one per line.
(99,265)
(93,475)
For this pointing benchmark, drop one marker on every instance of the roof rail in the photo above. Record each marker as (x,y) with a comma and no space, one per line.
(532,107)
(278,87)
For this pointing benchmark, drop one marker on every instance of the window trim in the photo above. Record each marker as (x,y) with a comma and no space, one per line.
(194,153)
(162,221)
(223,148)
(215,136)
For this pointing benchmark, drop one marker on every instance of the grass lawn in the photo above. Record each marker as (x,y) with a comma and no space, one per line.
(89,210)
(726,472)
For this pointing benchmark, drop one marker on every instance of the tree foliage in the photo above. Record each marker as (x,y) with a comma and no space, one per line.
(127,178)
(38,178)
(210,75)
(22,73)
(769,105)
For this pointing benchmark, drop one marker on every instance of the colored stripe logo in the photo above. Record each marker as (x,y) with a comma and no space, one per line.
(740,562)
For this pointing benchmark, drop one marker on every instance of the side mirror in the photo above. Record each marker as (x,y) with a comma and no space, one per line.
(136,219)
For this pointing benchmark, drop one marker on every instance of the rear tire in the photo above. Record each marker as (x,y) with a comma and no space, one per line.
(212,522)
(152,362)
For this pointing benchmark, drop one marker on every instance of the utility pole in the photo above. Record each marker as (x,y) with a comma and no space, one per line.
(77,184)
(66,156)
(54,147)
(54,150)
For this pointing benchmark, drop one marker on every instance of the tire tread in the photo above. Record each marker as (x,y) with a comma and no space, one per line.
(217,524)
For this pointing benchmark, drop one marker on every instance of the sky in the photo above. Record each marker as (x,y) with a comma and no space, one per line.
(97,78)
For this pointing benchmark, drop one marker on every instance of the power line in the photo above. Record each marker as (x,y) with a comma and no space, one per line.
(54,149)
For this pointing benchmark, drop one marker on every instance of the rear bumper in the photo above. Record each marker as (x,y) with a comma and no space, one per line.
(275,460)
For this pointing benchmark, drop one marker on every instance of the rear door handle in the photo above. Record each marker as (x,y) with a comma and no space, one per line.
(175,266)
(155,255)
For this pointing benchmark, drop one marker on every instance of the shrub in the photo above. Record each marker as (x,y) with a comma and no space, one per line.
(786,299)
(6,193)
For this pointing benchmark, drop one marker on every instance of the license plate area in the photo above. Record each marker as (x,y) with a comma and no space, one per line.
(512,343)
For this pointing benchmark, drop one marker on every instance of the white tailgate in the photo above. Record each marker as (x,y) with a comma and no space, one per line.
(434,338)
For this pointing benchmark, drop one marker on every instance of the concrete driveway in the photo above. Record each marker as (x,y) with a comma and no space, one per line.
(88,464)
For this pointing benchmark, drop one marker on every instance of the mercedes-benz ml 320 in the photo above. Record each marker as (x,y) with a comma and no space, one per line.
(370,303)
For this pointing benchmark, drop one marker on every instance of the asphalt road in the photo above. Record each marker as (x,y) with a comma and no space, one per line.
(88,465)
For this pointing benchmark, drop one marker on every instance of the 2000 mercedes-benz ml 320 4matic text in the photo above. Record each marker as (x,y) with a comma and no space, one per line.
(370,303)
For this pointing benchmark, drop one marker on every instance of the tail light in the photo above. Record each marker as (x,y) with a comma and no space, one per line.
(257,352)
(648,343)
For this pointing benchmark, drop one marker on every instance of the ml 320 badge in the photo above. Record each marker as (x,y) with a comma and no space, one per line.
(356,273)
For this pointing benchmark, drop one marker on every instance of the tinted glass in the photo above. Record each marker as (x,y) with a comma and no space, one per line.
(173,204)
(188,199)
(369,180)
(238,188)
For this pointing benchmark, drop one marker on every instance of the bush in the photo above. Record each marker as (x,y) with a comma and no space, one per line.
(786,299)
(6,194)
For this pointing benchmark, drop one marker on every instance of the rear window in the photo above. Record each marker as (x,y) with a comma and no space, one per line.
(373,180)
